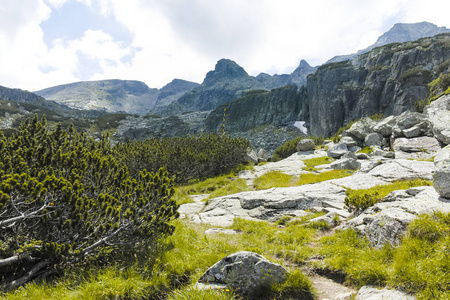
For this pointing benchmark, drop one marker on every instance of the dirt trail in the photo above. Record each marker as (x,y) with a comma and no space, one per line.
(328,289)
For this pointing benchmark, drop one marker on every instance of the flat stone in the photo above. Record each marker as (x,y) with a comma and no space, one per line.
(385,126)
(375,293)
(419,144)
(359,181)
(403,169)
(362,156)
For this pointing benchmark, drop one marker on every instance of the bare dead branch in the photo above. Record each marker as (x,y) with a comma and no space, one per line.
(16,258)
(28,276)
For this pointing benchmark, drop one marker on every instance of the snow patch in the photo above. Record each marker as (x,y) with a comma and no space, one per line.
(301,125)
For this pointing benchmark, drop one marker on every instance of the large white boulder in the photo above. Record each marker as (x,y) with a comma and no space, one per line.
(439,115)
(441,176)
(246,272)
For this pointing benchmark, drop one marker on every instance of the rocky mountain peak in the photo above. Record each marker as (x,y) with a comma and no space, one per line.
(225,69)
(303,68)
(405,32)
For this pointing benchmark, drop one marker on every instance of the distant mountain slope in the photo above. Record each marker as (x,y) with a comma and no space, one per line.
(227,82)
(114,95)
(399,33)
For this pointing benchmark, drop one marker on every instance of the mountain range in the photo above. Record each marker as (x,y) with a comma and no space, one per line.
(385,78)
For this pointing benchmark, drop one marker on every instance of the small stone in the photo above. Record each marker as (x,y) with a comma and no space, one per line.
(373,139)
(337,150)
(346,164)
(306,145)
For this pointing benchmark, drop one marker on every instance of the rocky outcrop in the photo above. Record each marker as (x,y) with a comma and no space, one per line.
(277,107)
(150,126)
(441,177)
(18,95)
(387,80)
(438,114)
(248,273)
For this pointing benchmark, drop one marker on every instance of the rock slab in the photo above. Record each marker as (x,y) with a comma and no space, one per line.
(373,293)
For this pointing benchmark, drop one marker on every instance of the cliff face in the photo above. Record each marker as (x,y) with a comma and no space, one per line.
(387,80)
(277,107)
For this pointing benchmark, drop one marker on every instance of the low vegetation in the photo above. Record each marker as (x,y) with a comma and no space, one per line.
(273,179)
(328,175)
(290,147)
(185,158)
(312,163)
(359,200)
(419,265)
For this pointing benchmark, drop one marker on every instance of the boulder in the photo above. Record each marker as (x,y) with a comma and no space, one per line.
(246,272)
(348,141)
(441,176)
(360,129)
(378,152)
(252,156)
(262,155)
(409,119)
(346,164)
(439,116)
(384,126)
(375,293)
(306,145)
(414,131)
(373,139)
(337,150)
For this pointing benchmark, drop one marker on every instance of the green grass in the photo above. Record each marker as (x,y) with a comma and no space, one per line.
(208,186)
(419,265)
(359,200)
(235,186)
(366,150)
(314,178)
(273,179)
(312,163)
(190,293)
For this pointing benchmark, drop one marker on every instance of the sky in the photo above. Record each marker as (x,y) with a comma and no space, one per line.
(44,43)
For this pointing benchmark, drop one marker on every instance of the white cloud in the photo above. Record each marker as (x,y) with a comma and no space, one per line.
(185,38)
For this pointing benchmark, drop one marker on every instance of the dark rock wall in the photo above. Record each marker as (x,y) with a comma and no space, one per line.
(387,80)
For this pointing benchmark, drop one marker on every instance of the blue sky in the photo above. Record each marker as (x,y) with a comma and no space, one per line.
(45,43)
